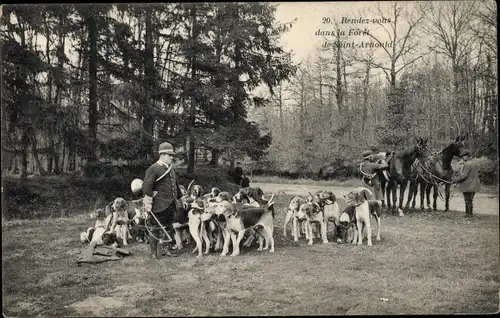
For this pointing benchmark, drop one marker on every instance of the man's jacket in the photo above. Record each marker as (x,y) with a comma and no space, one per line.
(468,181)
(164,191)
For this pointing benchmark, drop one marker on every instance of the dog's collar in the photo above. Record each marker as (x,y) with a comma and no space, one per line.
(350,203)
(197,211)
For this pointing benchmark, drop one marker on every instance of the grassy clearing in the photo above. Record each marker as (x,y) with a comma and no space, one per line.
(487,189)
(280,180)
(425,263)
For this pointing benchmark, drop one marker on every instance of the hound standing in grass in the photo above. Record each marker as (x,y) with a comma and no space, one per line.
(291,215)
(238,218)
(359,198)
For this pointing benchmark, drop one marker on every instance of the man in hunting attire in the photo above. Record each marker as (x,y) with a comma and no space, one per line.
(161,194)
(468,182)
(372,169)
(240,178)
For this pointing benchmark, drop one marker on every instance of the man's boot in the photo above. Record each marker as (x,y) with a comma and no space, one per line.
(153,248)
(468,209)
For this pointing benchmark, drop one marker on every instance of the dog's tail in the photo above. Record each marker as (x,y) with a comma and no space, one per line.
(256,228)
(308,191)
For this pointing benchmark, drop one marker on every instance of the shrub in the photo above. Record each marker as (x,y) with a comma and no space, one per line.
(488,170)
(100,170)
(58,195)
(339,169)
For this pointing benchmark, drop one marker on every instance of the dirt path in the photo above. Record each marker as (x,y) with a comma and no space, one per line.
(483,203)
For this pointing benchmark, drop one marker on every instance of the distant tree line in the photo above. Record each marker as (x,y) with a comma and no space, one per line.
(438,80)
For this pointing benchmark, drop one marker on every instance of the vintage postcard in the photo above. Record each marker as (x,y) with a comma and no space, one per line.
(250,158)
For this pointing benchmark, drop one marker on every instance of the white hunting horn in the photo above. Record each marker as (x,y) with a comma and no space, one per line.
(270,202)
(189,187)
(308,191)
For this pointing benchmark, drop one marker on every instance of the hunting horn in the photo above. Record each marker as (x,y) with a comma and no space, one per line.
(189,187)
(308,191)
(271,199)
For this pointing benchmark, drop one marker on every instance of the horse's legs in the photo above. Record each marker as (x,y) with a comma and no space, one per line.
(410,195)
(415,191)
(382,186)
(434,196)
(428,188)
(423,190)
(394,195)
(402,188)
(388,190)
(447,200)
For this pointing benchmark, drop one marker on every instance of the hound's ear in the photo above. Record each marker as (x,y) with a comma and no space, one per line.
(366,194)
(426,140)
(357,197)
(458,138)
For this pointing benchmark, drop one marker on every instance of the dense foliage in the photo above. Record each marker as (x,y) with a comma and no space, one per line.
(83,83)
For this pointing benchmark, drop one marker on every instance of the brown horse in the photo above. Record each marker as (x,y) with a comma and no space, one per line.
(429,172)
(400,170)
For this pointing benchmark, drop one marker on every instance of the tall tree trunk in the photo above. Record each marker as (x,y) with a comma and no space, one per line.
(147,116)
(93,115)
(35,155)
(215,157)
(50,81)
(24,154)
(339,94)
(366,87)
(280,104)
(192,116)
(217,82)
(24,98)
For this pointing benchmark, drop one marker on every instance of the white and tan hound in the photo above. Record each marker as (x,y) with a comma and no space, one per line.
(99,234)
(359,198)
(236,219)
(291,215)
(120,220)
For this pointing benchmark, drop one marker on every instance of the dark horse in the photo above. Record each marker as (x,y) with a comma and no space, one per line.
(432,170)
(400,170)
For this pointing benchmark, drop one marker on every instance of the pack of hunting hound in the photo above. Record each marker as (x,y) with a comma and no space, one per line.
(216,219)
